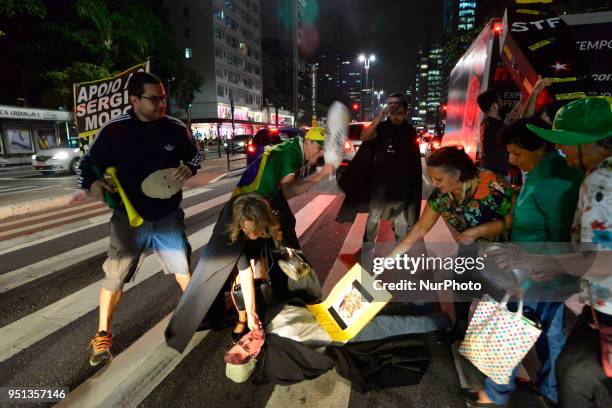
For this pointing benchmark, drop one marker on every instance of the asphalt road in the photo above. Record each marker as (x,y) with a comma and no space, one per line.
(48,313)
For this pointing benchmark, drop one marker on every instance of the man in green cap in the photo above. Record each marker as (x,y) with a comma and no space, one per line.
(582,130)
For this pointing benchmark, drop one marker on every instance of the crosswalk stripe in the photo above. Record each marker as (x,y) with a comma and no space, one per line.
(4,189)
(54,221)
(36,238)
(134,373)
(152,358)
(34,189)
(18,243)
(36,326)
(54,213)
(21,276)
(352,243)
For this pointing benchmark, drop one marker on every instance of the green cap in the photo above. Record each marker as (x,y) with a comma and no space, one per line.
(583,121)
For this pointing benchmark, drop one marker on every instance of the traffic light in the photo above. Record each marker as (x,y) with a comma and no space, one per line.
(355,107)
(444,107)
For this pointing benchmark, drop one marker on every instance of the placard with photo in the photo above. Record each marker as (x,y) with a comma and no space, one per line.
(351,304)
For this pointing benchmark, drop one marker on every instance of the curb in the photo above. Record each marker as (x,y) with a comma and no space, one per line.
(39,204)
(227,175)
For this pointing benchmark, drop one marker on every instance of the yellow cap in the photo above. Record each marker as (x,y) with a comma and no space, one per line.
(316,134)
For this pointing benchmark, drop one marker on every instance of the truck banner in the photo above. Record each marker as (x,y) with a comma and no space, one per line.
(96,102)
(537,42)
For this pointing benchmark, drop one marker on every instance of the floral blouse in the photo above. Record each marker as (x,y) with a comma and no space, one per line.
(593,224)
(491,200)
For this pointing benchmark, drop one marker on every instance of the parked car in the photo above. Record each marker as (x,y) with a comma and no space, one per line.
(238,143)
(351,145)
(354,141)
(269,136)
(60,159)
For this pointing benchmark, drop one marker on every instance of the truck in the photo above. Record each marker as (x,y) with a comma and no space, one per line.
(509,54)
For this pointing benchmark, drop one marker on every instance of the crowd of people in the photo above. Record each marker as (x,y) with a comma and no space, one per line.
(566,196)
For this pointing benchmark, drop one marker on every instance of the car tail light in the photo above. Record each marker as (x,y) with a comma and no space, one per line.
(250,147)
(348,146)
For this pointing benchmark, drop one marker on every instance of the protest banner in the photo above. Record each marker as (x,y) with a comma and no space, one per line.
(97,102)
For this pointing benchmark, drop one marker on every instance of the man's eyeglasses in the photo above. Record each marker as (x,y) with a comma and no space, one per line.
(155,99)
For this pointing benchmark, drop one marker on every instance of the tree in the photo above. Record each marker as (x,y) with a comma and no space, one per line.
(51,44)
(457,46)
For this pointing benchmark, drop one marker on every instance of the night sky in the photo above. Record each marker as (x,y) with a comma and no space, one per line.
(391,29)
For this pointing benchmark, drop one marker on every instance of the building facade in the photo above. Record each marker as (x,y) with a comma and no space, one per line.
(339,78)
(221,40)
(434,83)
(277,49)
(24,131)
(419,110)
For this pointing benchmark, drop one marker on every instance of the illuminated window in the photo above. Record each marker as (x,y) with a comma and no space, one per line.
(187,53)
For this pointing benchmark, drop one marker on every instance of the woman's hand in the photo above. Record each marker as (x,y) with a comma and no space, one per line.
(290,252)
(253,321)
(468,236)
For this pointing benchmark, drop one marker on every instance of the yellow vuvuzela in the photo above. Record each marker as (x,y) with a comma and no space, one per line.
(135,218)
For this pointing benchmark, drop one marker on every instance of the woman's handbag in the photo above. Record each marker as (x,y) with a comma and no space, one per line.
(263,290)
(295,267)
(605,336)
(497,340)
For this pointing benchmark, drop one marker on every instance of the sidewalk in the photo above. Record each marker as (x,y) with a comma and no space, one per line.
(23,204)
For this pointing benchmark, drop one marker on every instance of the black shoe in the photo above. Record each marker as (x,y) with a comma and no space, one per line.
(470,396)
(236,336)
(449,336)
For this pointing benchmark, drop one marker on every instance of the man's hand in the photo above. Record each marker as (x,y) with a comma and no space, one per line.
(182,173)
(384,112)
(98,188)
(327,170)
(541,84)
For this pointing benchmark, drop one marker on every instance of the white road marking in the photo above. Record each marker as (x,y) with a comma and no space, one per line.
(34,327)
(133,374)
(37,189)
(4,189)
(18,243)
(21,276)
(51,214)
(50,222)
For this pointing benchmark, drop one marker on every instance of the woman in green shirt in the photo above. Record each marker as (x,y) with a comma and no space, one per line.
(543,213)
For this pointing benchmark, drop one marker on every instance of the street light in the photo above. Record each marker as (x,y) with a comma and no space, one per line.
(378,95)
(366,59)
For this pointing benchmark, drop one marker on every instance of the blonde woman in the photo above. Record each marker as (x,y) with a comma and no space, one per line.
(254,221)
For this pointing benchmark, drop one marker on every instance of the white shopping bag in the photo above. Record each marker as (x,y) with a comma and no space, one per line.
(497,340)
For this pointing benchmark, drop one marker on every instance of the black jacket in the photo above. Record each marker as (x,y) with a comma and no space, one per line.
(406,185)
(138,149)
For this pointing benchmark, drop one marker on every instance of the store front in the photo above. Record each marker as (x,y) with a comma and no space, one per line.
(25,131)
(209,131)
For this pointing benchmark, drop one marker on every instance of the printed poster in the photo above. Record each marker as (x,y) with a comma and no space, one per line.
(351,304)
